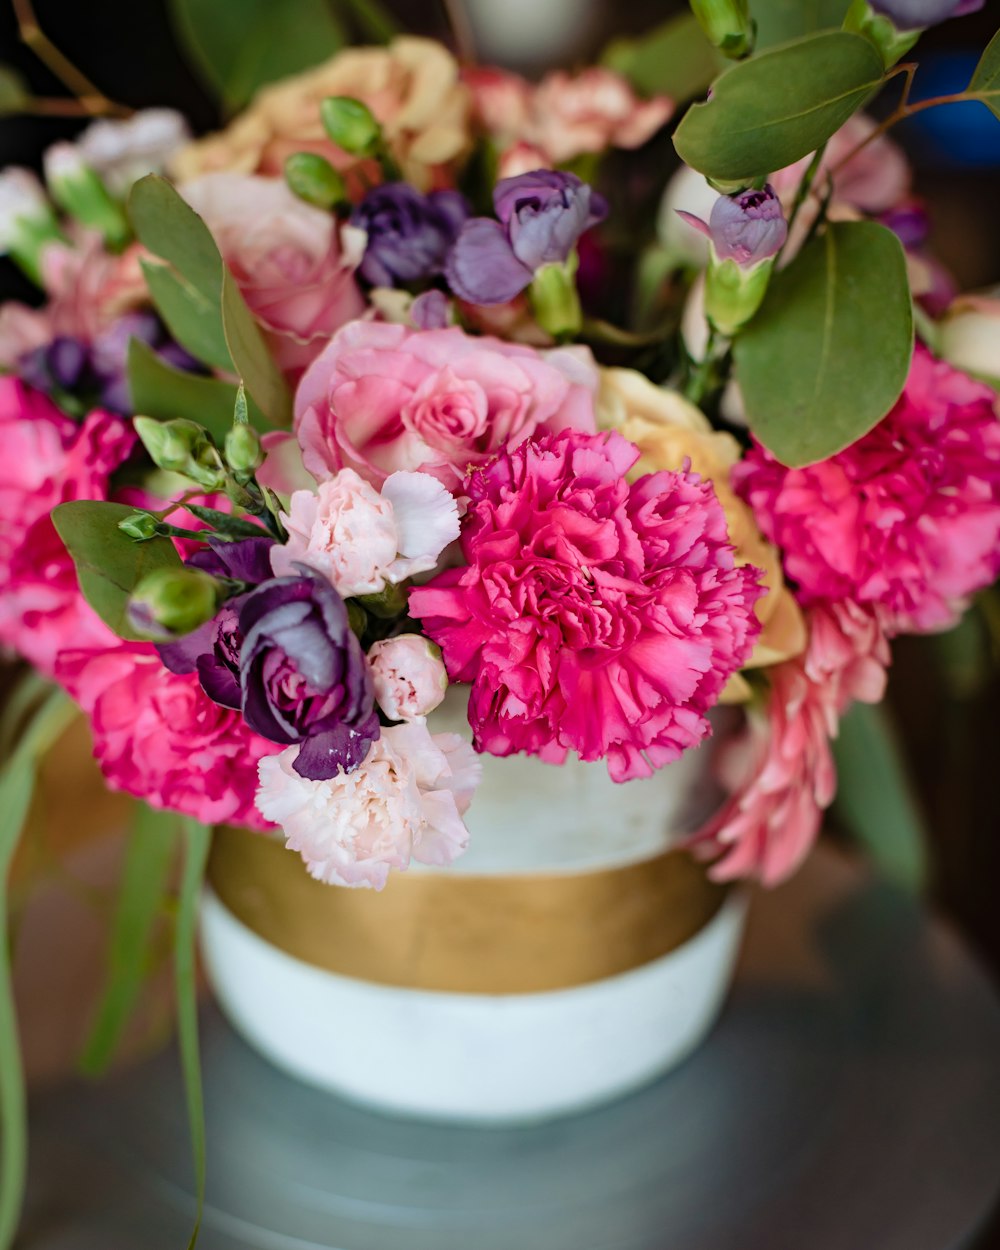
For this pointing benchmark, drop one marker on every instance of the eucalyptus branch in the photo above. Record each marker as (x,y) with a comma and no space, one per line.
(90,100)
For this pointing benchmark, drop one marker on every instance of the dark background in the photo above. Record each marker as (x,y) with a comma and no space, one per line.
(946,711)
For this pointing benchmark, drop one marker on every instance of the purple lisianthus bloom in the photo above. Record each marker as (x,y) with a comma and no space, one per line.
(409,234)
(541,216)
(213,650)
(916,14)
(304,675)
(748,228)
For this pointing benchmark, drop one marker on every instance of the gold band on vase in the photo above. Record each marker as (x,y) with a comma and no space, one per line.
(473,934)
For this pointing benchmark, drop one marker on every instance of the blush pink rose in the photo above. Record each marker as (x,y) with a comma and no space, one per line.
(382,397)
(874,180)
(159,736)
(286,257)
(408,675)
(405,801)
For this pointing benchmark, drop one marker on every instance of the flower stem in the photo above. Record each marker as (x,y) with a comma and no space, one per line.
(90,101)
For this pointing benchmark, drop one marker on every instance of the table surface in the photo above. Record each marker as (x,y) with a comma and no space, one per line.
(849,1099)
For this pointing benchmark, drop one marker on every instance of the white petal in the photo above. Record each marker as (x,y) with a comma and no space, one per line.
(426,519)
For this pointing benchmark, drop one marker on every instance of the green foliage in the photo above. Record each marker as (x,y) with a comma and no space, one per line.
(161,391)
(773,109)
(985,82)
(192,319)
(262,377)
(109,565)
(675,59)
(239,45)
(779,21)
(14,94)
(875,800)
(143,890)
(827,355)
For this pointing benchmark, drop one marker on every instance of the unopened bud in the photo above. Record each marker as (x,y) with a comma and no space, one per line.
(78,190)
(315,180)
(389,602)
(351,125)
(728,25)
(169,603)
(244,453)
(182,446)
(357,618)
(554,298)
(140,526)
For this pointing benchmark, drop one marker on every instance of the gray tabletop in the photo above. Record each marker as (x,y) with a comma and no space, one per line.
(849,1099)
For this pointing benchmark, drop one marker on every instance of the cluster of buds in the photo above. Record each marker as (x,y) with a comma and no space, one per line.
(352,127)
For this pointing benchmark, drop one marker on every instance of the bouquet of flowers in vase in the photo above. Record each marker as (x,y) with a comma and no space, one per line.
(420,374)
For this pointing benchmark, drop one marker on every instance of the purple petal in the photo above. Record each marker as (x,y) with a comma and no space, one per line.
(482,268)
(219,682)
(182,656)
(324,755)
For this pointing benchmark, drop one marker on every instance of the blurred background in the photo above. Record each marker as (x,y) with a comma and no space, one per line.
(944,691)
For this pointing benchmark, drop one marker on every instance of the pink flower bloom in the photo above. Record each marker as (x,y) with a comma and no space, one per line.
(89,287)
(566,115)
(286,257)
(361,539)
(409,678)
(157,735)
(591,615)
(385,397)
(406,801)
(876,179)
(779,769)
(46,459)
(907,518)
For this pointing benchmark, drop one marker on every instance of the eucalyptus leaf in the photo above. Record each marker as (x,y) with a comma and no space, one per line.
(239,45)
(14,94)
(778,21)
(985,82)
(875,800)
(827,355)
(232,527)
(771,110)
(169,227)
(251,358)
(194,321)
(109,565)
(674,59)
(142,891)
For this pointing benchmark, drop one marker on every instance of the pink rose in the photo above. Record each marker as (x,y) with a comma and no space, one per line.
(405,801)
(384,397)
(159,736)
(360,539)
(286,257)
(409,676)
(89,288)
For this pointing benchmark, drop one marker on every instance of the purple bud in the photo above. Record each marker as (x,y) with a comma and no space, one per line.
(909,223)
(916,14)
(431,311)
(409,234)
(748,228)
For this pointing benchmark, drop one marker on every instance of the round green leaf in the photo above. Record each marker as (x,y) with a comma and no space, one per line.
(827,355)
(773,109)
(985,84)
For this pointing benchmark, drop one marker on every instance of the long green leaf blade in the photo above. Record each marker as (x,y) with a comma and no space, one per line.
(253,362)
(143,888)
(197,838)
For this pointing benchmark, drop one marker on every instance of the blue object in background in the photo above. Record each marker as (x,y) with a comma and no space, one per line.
(955,135)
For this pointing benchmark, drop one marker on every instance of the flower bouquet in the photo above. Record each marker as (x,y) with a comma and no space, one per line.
(425,475)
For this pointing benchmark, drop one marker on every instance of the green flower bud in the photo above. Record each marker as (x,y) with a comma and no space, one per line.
(243,451)
(733,292)
(315,180)
(880,29)
(554,298)
(357,618)
(140,526)
(728,25)
(389,602)
(168,603)
(182,446)
(78,190)
(351,125)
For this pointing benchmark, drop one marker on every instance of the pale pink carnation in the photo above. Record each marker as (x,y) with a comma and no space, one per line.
(287,258)
(405,801)
(408,675)
(384,397)
(360,538)
(565,115)
(907,518)
(159,736)
(591,615)
(779,769)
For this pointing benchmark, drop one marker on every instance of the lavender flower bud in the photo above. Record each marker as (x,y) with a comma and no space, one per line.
(409,234)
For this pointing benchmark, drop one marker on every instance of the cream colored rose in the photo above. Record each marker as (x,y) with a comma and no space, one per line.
(412,86)
(668,430)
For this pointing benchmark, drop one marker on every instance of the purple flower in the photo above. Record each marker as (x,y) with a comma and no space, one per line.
(213,650)
(541,216)
(304,675)
(916,14)
(747,228)
(409,234)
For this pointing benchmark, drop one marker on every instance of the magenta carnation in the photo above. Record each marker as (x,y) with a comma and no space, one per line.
(907,518)
(590,615)
(157,735)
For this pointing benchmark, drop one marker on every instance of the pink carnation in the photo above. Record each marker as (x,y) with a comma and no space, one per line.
(780,769)
(405,801)
(157,735)
(384,397)
(907,518)
(47,459)
(591,615)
